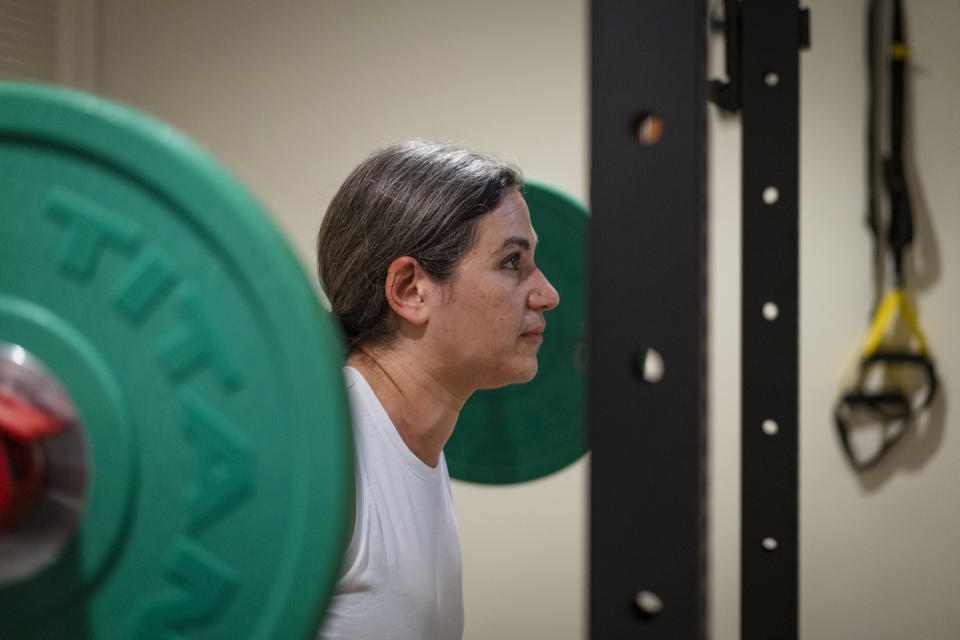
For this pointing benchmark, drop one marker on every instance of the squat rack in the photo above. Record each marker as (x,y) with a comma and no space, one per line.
(648,287)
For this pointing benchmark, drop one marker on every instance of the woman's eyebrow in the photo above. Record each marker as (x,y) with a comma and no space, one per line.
(516,241)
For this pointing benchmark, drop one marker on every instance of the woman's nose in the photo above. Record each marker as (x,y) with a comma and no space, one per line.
(543,296)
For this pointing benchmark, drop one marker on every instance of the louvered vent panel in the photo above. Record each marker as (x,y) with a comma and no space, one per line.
(28,39)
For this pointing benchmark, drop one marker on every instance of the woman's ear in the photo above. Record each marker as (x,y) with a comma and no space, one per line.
(407,290)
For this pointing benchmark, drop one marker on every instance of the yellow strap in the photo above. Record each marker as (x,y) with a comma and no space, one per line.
(906,310)
(881,321)
(899,51)
(893,302)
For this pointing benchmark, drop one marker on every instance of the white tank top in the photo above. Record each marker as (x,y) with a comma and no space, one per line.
(402,570)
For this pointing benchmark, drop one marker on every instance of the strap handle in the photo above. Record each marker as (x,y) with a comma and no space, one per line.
(890,407)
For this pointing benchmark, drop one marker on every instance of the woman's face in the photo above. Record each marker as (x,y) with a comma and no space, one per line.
(490,325)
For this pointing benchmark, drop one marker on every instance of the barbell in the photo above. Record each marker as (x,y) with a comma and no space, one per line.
(176,454)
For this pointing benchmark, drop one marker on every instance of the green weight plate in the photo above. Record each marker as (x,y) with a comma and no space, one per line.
(526,431)
(206,376)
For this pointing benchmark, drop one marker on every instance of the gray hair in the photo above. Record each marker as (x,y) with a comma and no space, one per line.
(416,198)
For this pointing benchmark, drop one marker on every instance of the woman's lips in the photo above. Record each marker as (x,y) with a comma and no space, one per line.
(534,335)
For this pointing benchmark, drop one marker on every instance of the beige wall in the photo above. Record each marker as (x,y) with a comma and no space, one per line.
(878,557)
(292,94)
(879,552)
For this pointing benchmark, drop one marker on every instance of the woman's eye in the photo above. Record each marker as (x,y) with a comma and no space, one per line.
(513,262)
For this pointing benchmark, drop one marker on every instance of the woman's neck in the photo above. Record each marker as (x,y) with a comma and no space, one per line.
(422,408)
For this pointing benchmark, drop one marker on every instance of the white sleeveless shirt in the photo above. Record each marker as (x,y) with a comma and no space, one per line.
(402,570)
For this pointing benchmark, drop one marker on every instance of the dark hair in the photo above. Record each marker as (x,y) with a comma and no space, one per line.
(417,198)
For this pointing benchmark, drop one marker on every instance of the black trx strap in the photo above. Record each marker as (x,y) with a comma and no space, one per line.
(893,382)
(901,216)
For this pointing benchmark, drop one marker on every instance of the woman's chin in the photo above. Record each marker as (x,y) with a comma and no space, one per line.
(524,372)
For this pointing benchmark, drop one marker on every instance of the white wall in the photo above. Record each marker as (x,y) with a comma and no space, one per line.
(878,557)
(879,552)
(291,95)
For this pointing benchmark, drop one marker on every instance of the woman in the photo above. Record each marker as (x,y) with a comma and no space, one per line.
(426,254)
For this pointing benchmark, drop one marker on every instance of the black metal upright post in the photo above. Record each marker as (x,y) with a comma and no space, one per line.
(772,32)
(647,261)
